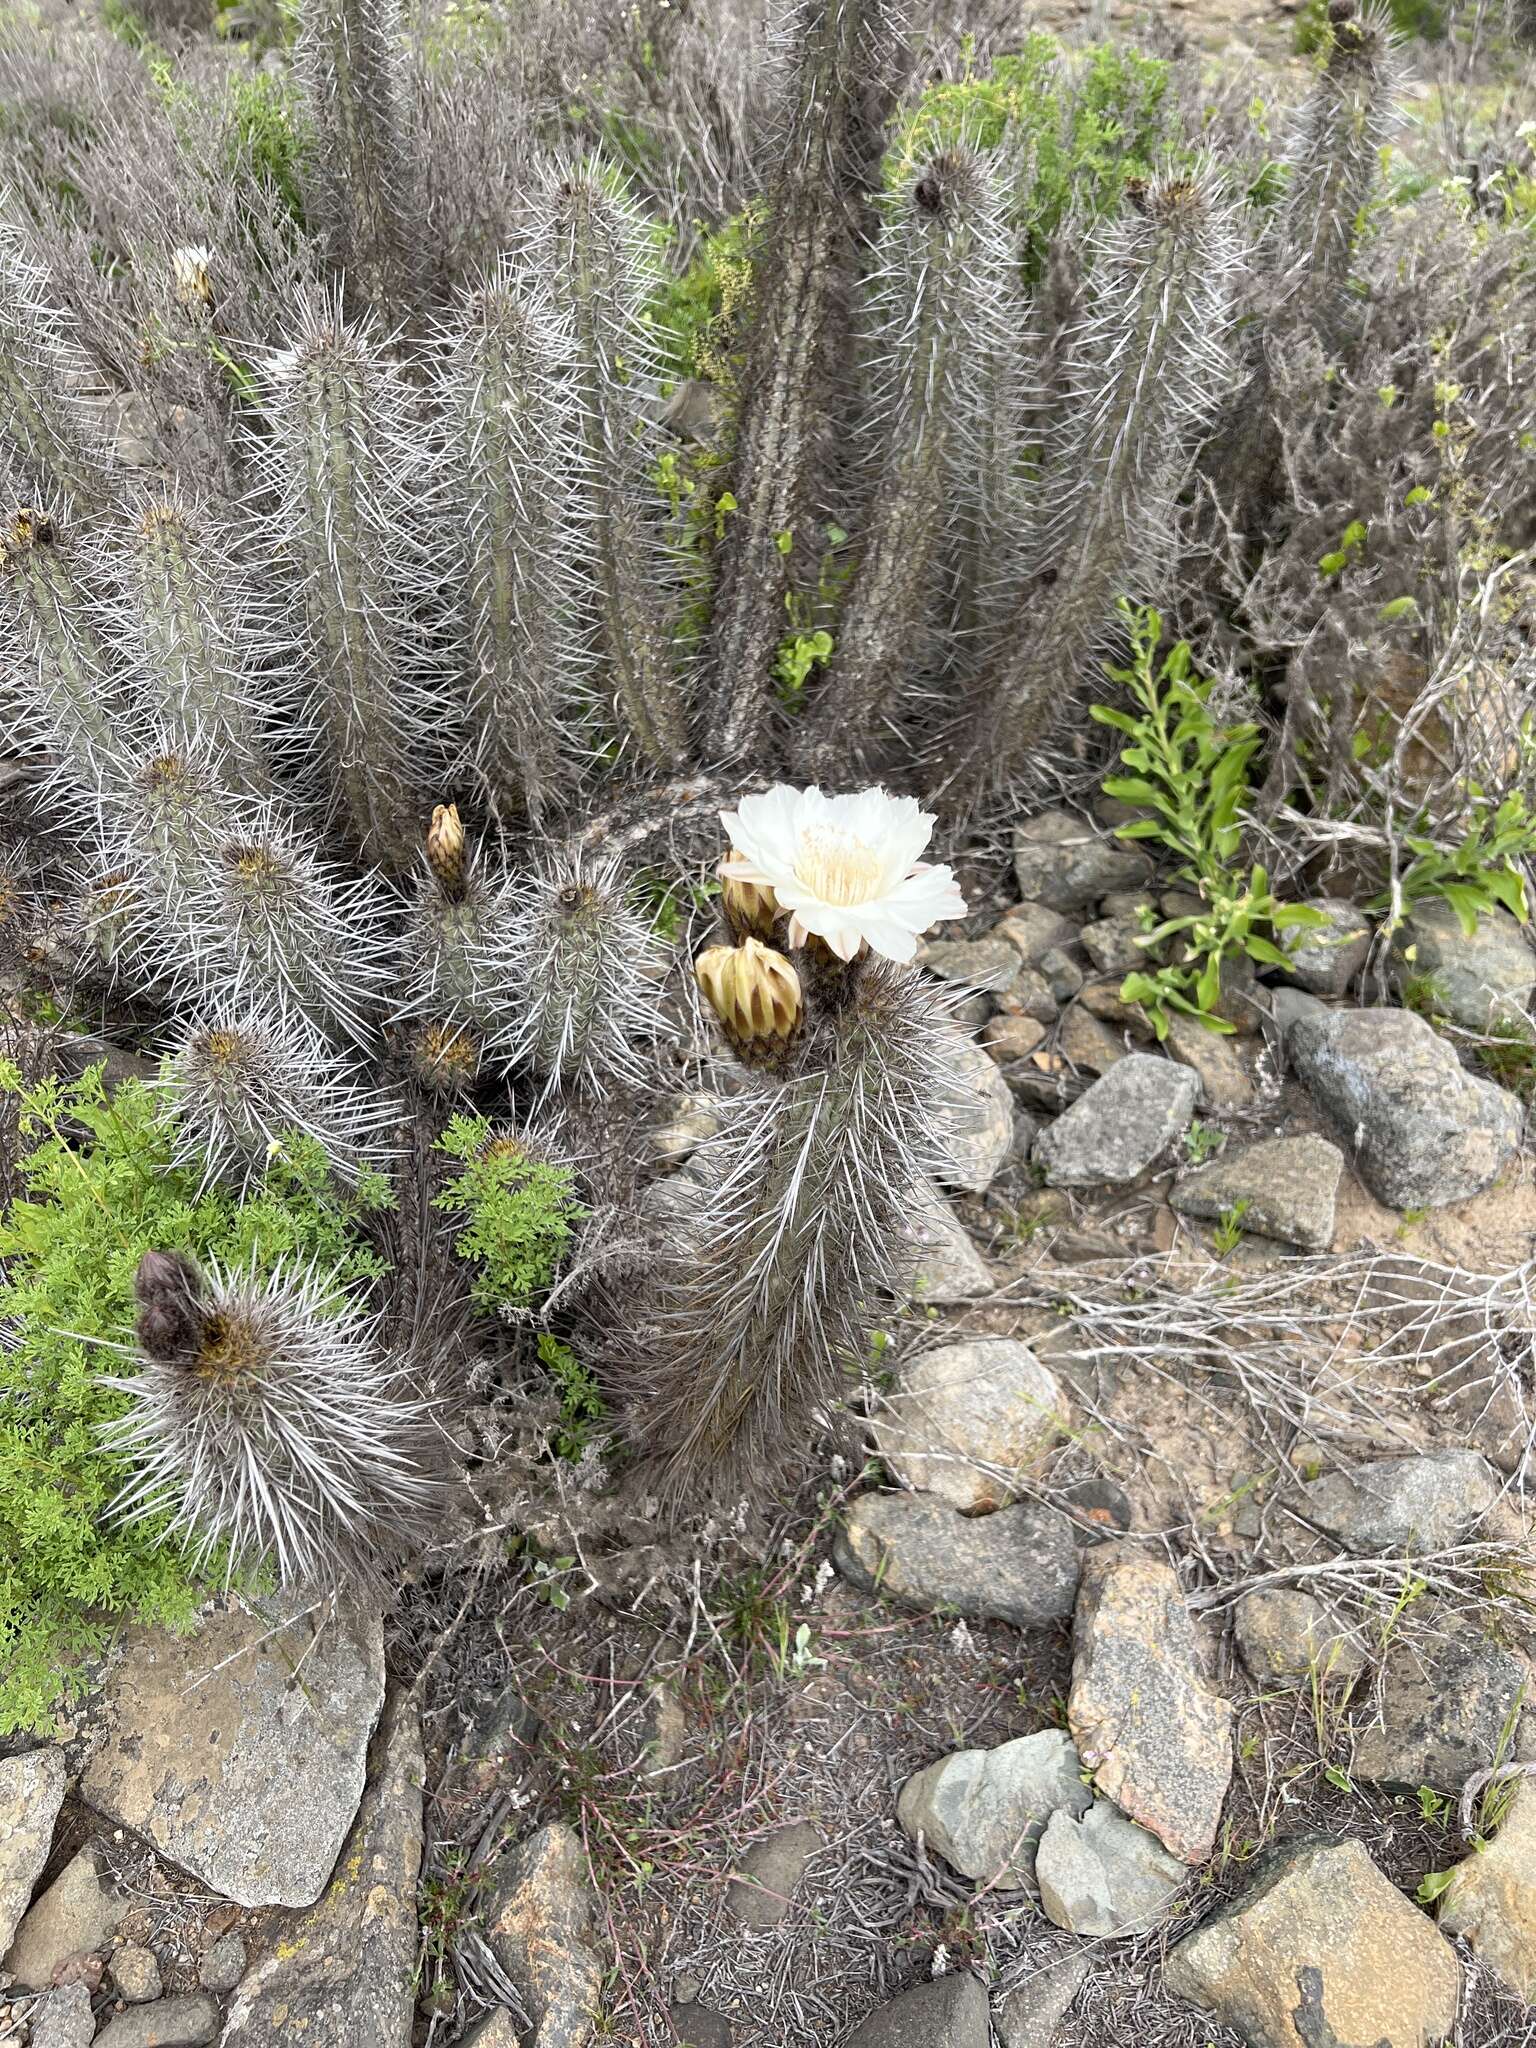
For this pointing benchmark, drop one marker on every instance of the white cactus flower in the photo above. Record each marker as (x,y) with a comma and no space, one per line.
(846,868)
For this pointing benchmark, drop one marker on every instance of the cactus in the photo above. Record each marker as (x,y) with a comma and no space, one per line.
(941,293)
(48,437)
(266,1427)
(504,387)
(360,172)
(847,58)
(68,703)
(1335,156)
(458,969)
(592,247)
(345,472)
(1146,370)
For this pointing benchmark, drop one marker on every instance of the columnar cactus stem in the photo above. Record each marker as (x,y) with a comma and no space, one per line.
(346,466)
(592,247)
(1335,158)
(941,298)
(68,702)
(506,399)
(847,62)
(54,443)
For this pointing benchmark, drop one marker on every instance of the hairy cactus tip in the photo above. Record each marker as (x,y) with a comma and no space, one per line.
(845,869)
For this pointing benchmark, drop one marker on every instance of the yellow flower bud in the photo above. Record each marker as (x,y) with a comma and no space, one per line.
(751,908)
(756,995)
(445,847)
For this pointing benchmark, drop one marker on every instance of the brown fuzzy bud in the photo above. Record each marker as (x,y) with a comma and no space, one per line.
(445,848)
(168,1289)
(445,1059)
(756,995)
(751,908)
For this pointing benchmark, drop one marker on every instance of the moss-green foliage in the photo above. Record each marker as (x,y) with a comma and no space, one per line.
(99,1190)
(1079,127)
(697,314)
(519,1213)
(582,1409)
(1426,20)
(263,135)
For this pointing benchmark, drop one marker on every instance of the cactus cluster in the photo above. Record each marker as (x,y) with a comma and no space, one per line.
(363,692)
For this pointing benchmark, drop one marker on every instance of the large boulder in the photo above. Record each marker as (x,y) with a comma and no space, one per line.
(1321,1950)
(1119,1126)
(1421,1130)
(31,1793)
(1481,980)
(984,1810)
(964,1418)
(346,1974)
(240,1752)
(1491,1898)
(1403,1504)
(1157,1740)
(1284,1188)
(1019,1565)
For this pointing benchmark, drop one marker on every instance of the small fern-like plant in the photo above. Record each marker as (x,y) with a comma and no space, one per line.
(516,1208)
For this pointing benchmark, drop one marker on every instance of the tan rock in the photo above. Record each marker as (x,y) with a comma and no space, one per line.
(1491,1900)
(31,1793)
(1321,1949)
(1225,1081)
(965,1418)
(1158,1742)
(539,1926)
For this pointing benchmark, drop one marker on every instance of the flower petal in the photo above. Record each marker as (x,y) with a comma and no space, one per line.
(925,898)
(765,829)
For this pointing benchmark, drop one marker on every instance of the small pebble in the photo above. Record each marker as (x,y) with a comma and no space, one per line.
(220,1969)
(136,1974)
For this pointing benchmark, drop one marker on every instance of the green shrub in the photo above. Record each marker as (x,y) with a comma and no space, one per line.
(519,1212)
(1424,20)
(1477,876)
(101,1189)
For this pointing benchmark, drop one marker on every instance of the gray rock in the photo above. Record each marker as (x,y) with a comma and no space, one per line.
(1321,1950)
(540,1927)
(963,1420)
(1114,945)
(1065,863)
(1286,1188)
(78,1911)
(136,1974)
(950,2012)
(697,2026)
(984,1810)
(1118,1127)
(977,1119)
(1019,1565)
(1481,980)
(1011,1038)
(944,1265)
(1032,994)
(63,2019)
(1285,1636)
(1421,1129)
(1288,1005)
(1447,1705)
(1125,903)
(1225,1082)
(1087,1042)
(230,1765)
(762,1891)
(168,2023)
(1033,929)
(31,1793)
(220,1968)
(1102,1874)
(499,2031)
(1029,2015)
(987,966)
(1166,1765)
(1491,1899)
(1326,958)
(1403,1504)
(1064,975)
(344,1975)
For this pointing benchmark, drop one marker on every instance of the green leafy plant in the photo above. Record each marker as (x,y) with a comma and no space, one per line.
(1203,1141)
(1228,1234)
(582,1408)
(101,1186)
(1477,876)
(519,1212)
(1192,777)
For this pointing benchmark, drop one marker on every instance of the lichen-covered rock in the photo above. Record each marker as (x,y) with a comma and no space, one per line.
(1403,1504)
(1284,1188)
(1319,1951)
(1421,1130)
(1157,1740)
(1019,1565)
(63,2019)
(344,1977)
(964,1419)
(1481,980)
(229,1763)
(1491,1899)
(1447,1704)
(31,1793)
(1119,1126)
(136,1974)
(984,1810)
(189,2022)
(539,1926)
(1288,1637)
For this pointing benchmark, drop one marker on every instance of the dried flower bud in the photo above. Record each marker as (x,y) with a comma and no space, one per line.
(445,847)
(751,908)
(756,995)
(168,1289)
(189,278)
(445,1059)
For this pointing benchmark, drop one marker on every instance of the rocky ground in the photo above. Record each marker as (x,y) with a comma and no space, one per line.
(1144,1661)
